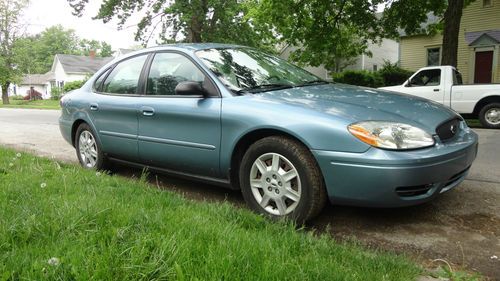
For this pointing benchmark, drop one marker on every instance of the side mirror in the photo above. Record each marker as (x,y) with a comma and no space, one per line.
(190,88)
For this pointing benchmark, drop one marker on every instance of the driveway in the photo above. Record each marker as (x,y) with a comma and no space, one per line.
(461,226)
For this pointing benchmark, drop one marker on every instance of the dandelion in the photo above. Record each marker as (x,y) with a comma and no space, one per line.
(11,164)
(53,261)
(98,173)
(18,155)
(43,185)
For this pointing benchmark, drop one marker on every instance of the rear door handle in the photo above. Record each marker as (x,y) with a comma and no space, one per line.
(147,111)
(436,90)
(94,107)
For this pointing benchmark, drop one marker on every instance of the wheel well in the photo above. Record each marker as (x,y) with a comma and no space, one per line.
(75,126)
(487,100)
(242,146)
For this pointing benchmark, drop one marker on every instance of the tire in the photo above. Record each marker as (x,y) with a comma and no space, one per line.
(489,116)
(272,190)
(90,157)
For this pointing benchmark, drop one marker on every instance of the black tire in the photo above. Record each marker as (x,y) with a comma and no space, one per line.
(312,190)
(101,163)
(484,111)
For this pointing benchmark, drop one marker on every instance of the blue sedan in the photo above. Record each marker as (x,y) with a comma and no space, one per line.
(241,118)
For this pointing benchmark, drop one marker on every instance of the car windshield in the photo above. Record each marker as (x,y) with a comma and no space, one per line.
(250,70)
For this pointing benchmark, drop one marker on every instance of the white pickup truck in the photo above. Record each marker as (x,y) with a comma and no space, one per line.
(443,84)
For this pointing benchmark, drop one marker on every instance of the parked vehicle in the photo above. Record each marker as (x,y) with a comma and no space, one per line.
(240,118)
(443,84)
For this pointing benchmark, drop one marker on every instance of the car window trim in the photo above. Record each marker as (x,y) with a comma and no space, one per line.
(112,67)
(148,69)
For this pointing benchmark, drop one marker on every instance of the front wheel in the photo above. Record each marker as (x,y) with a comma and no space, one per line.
(88,149)
(490,116)
(280,178)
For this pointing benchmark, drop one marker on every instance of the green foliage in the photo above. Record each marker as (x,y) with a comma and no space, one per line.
(17,97)
(329,33)
(393,75)
(70,86)
(35,54)
(63,222)
(389,75)
(226,21)
(56,93)
(360,78)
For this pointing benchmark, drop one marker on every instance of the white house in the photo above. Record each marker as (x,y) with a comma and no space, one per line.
(69,68)
(387,50)
(39,83)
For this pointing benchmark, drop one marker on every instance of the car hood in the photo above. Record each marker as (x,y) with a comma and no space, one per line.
(354,104)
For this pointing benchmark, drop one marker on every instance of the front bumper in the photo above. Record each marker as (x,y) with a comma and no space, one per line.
(383,178)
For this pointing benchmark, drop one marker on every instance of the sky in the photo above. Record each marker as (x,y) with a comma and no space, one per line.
(45,13)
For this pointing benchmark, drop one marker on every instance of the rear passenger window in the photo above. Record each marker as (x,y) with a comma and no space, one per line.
(98,81)
(124,78)
(430,77)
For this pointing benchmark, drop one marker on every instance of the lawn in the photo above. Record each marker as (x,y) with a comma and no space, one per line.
(38,104)
(60,222)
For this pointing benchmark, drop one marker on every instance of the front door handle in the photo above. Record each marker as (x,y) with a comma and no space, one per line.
(94,107)
(147,111)
(436,90)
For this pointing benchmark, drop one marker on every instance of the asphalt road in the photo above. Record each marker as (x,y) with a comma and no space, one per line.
(461,226)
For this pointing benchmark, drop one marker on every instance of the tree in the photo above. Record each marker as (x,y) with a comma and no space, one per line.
(10,29)
(328,32)
(101,48)
(224,21)
(409,15)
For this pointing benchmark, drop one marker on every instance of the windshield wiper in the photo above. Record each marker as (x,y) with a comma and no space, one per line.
(313,82)
(264,88)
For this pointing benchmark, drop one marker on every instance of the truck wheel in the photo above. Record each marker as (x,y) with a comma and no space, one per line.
(490,116)
(280,178)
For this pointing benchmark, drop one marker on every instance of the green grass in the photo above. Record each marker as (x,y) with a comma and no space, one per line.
(37,104)
(473,123)
(105,227)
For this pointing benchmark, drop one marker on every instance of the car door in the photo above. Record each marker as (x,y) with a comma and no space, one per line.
(428,84)
(114,109)
(180,133)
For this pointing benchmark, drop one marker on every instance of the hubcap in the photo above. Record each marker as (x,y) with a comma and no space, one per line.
(87,149)
(493,116)
(275,184)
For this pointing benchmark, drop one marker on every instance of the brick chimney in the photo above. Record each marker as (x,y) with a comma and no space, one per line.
(92,54)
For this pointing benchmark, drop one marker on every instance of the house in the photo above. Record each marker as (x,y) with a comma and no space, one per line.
(69,68)
(37,82)
(387,50)
(478,44)
(121,52)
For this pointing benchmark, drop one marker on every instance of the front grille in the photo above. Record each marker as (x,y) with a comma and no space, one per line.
(448,129)
(408,191)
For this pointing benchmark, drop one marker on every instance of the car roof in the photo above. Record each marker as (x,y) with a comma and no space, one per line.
(197,46)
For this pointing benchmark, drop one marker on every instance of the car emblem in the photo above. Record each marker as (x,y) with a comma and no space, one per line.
(453,129)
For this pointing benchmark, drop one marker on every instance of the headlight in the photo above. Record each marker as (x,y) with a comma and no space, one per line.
(390,135)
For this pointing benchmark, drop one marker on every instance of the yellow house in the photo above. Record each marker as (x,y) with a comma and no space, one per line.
(478,45)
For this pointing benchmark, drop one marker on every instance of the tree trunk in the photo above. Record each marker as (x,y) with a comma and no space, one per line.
(452,18)
(5,93)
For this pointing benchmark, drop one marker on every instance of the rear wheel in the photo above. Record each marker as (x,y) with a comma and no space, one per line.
(88,149)
(490,115)
(281,179)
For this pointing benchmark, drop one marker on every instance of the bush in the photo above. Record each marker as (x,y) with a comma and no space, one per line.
(55,93)
(392,74)
(359,78)
(389,75)
(17,97)
(70,86)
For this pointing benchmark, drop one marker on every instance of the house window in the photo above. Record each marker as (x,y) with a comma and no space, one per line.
(433,56)
(375,67)
(486,3)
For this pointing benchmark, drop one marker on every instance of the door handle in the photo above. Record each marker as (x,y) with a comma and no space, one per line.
(436,90)
(94,107)
(147,111)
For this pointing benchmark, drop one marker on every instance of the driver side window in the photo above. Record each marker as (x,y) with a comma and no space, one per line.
(430,77)
(168,70)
